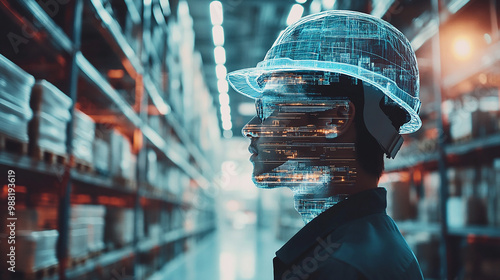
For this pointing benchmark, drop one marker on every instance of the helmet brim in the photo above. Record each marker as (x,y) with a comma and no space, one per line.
(245,81)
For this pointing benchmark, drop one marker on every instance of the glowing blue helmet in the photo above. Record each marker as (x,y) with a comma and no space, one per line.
(346,42)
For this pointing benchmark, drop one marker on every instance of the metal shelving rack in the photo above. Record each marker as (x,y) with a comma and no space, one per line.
(447,153)
(135,117)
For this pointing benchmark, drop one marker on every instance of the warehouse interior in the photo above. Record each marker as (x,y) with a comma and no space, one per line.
(122,157)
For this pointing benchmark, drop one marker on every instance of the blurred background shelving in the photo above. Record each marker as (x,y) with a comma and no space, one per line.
(147,175)
(111,207)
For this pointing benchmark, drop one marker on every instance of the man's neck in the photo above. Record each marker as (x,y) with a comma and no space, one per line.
(312,201)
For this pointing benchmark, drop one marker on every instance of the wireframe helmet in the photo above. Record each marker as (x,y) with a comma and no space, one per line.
(350,43)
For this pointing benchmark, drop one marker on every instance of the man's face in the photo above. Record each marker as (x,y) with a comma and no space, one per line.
(295,140)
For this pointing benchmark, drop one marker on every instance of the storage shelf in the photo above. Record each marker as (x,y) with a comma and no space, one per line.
(99,182)
(415,227)
(56,33)
(173,236)
(29,164)
(112,95)
(475,145)
(408,161)
(94,77)
(485,231)
(183,135)
(113,33)
(101,261)
(162,106)
(155,96)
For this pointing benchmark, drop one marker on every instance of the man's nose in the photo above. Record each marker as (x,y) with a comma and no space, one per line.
(252,128)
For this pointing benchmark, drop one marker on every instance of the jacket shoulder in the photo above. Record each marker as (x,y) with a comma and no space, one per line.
(374,246)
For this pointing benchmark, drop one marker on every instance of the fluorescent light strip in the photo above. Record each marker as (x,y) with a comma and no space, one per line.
(328,4)
(456,5)
(220,55)
(216,15)
(222,86)
(224,99)
(221,71)
(295,14)
(218,35)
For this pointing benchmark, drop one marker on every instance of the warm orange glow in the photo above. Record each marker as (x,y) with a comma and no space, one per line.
(116,73)
(462,48)
(138,141)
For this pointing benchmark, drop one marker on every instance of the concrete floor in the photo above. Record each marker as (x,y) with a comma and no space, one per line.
(232,254)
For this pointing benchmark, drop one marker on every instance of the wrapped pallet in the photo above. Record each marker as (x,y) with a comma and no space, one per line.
(119,227)
(83,137)
(101,156)
(51,115)
(15,111)
(36,249)
(123,163)
(90,217)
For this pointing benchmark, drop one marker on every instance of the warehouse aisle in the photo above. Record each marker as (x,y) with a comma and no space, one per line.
(237,254)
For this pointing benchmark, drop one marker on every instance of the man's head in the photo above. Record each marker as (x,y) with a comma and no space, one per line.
(332,94)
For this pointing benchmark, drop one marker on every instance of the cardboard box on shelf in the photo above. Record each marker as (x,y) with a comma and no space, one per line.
(119,226)
(15,91)
(83,136)
(101,156)
(92,218)
(47,129)
(35,250)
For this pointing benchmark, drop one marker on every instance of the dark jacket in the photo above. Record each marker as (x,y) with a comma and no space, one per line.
(355,239)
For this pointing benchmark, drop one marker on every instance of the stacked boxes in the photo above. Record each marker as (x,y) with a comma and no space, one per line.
(51,116)
(15,90)
(35,239)
(473,115)
(35,250)
(101,156)
(113,156)
(83,137)
(87,229)
(429,204)
(121,156)
(119,227)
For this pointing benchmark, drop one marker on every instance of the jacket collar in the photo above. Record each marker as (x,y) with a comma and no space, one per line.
(356,206)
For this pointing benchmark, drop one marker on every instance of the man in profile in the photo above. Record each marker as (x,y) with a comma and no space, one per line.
(333,95)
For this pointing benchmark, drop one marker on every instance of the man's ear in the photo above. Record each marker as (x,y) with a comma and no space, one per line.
(351,114)
(346,115)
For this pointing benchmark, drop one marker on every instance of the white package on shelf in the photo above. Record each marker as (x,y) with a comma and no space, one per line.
(51,108)
(15,90)
(78,236)
(120,155)
(152,167)
(35,249)
(101,156)
(119,227)
(83,136)
(92,218)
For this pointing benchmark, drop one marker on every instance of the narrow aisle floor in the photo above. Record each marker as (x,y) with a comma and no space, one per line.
(235,254)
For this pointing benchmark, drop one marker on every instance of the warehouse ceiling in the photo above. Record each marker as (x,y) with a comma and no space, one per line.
(251,26)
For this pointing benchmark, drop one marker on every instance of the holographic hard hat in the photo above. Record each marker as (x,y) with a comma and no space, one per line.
(346,42)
